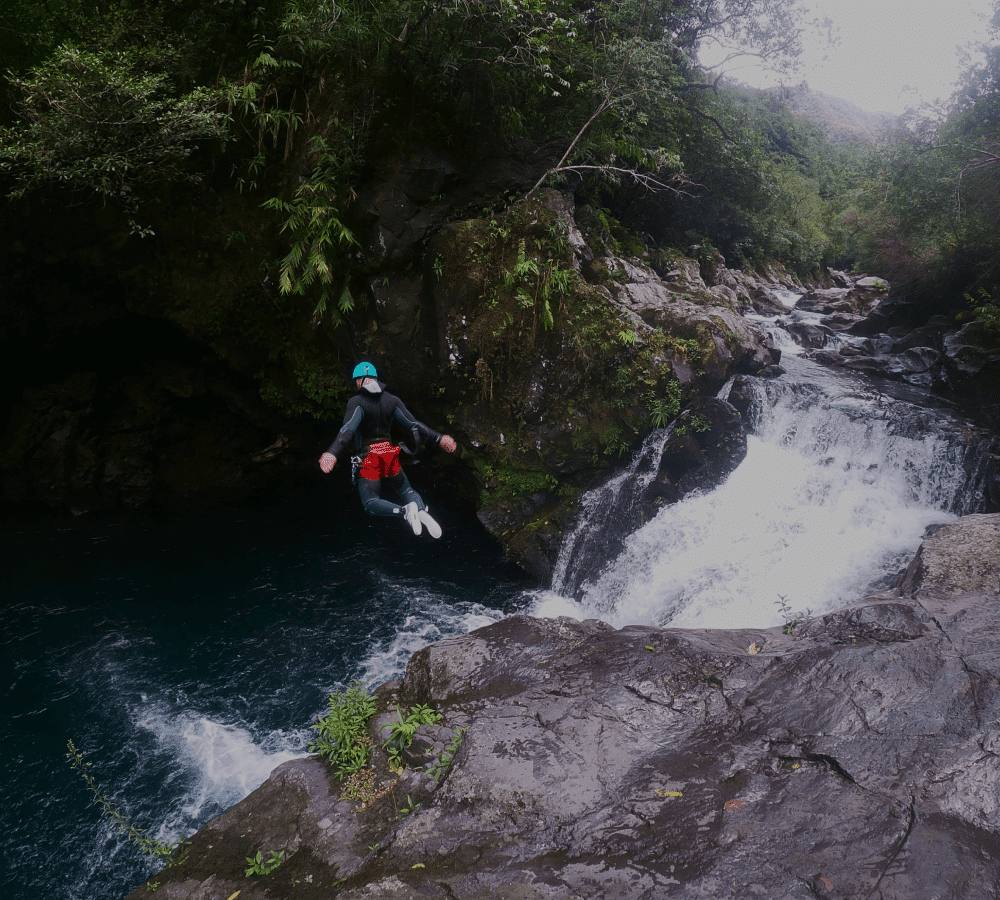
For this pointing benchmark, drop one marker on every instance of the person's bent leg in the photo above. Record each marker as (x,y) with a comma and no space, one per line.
(414,503)
(370,490)
(401,485)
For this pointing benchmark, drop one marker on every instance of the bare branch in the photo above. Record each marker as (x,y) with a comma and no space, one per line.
(642,178)
(603,105)
(705,115)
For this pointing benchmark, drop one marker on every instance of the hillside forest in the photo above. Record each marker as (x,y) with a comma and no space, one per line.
(209,164)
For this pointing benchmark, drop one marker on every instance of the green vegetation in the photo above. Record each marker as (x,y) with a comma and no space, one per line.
(257,865)
(139,837)
(409,807)
(401,732)
(696,422)
(792,619)
(923,205)
(986,309)
(507,482)
(342,734)
(282,99)
(447,756)
(313,221)
(102,121)
(344,741)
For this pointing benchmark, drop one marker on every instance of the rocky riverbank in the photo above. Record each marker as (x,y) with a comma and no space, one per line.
(947,354)
(851,755)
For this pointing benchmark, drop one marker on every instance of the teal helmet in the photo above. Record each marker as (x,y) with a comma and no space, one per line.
(364,370)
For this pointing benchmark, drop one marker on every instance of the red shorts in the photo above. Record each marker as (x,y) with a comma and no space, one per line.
(382,461)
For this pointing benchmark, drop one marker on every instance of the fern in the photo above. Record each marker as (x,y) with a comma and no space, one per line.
(319,236)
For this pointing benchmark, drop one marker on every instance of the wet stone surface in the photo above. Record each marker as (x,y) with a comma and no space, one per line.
(856,756)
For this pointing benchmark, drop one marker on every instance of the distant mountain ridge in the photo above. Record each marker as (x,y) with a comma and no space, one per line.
(839,119)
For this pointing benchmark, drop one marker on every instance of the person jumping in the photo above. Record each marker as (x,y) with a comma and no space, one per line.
(370,414)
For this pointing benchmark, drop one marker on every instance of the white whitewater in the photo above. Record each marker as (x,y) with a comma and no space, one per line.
(835,494)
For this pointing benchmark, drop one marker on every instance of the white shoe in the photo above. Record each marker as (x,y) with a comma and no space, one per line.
(433,529)
(411,513)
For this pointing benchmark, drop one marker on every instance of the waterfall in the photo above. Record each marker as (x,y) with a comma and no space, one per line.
(840,483)
(605,516)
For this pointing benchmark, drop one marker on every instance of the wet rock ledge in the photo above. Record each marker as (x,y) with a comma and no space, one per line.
(856,755)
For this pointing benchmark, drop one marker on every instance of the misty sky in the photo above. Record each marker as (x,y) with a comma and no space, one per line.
(891,53)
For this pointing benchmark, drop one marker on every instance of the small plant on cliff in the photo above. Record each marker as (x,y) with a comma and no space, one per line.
(401,732)
(696,422)
(663,410)
(138,836)
(341,735)
(792,620)
(256,865)
(447,756)
(410,807)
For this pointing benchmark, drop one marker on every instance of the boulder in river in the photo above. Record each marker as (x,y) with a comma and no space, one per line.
(808,334)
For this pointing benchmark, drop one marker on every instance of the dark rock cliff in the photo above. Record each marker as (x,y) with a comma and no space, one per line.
(851,755)
(165,368)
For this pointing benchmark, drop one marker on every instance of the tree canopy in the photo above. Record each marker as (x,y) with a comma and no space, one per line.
(113,99)
(923,205)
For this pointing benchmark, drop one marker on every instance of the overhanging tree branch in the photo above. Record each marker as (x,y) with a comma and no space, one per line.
(602,106)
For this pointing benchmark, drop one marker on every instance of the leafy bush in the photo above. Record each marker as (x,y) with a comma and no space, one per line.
(341,735)
(101,122)
(987,310)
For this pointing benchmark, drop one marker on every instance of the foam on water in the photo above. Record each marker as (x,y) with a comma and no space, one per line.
(434,618)
(187,653)
(788,299)
(782,339)
(220,763)
(779,527)
(550,605)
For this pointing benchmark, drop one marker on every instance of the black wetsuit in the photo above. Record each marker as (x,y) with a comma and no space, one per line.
(368,421)
(369,418)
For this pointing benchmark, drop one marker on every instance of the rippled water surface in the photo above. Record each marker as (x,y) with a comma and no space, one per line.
(187,655)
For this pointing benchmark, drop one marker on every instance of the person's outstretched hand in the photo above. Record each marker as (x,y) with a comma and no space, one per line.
(327,461)
(448,443)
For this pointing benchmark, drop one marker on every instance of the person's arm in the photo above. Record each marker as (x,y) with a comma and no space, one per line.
(352,421)
(418,429)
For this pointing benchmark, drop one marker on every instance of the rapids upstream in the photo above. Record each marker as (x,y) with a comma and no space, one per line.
(188,654)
